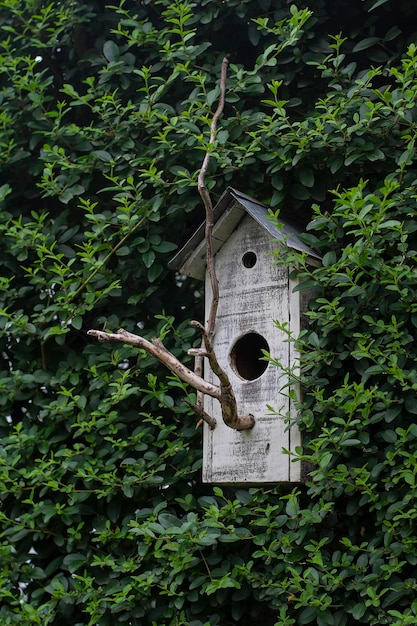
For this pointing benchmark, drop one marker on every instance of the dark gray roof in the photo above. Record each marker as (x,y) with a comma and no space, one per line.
(227,214)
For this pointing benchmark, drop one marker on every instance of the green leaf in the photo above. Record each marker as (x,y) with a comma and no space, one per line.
(336,162)
(359,610)
(350,442)
(165,246)
(103,155)
(390,224)
(389,436)
(307,615)
(155,271)
(306,177)
(148,258)
(123,251)
(111,51)
(77,322)
(366,43)
(326,618)
(411,405)
(325,459)
(73,562)
(329,259)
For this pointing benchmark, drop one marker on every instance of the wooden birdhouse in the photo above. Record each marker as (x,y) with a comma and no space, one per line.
(253,292)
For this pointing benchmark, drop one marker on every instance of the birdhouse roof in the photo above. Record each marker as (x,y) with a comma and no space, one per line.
(228,212)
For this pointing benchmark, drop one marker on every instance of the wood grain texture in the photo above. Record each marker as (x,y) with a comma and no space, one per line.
(251,298)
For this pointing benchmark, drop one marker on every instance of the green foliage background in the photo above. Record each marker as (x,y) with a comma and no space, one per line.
(104,122)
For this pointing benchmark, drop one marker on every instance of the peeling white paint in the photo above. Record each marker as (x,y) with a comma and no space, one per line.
(251,298)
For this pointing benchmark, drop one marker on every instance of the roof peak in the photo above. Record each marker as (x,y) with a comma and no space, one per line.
(227,213)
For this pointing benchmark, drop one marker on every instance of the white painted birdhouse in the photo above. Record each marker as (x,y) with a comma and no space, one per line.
(253,292)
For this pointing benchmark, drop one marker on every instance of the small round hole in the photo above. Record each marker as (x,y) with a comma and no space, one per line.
(246,356)
(249,259)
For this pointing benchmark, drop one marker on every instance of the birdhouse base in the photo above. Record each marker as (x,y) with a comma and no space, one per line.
(260,455)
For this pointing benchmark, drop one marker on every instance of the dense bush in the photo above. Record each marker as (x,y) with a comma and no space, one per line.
(105,115)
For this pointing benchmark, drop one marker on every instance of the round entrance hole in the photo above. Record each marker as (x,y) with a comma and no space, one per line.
(246,356)
(249,259)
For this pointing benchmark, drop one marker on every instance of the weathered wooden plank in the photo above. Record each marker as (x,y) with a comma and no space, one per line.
(251,298)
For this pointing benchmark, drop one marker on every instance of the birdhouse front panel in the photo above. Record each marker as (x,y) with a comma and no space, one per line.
(253,292)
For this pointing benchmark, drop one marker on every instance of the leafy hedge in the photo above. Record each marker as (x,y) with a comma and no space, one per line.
(104,118)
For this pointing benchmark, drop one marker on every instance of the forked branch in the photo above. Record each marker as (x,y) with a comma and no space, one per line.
(224,391)
(208,205)
(228,400)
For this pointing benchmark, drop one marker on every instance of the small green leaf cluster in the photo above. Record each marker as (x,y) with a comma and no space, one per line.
(359,374)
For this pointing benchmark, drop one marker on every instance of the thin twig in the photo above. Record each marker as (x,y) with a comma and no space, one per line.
(211,355)
(211,421)
(227,397)
(223,392)
(155,347)
(208,205)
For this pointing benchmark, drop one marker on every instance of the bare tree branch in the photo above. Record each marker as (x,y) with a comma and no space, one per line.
(227,398)
(155,347)
(223,392)
(208,205)
(210,354)
(211,421)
